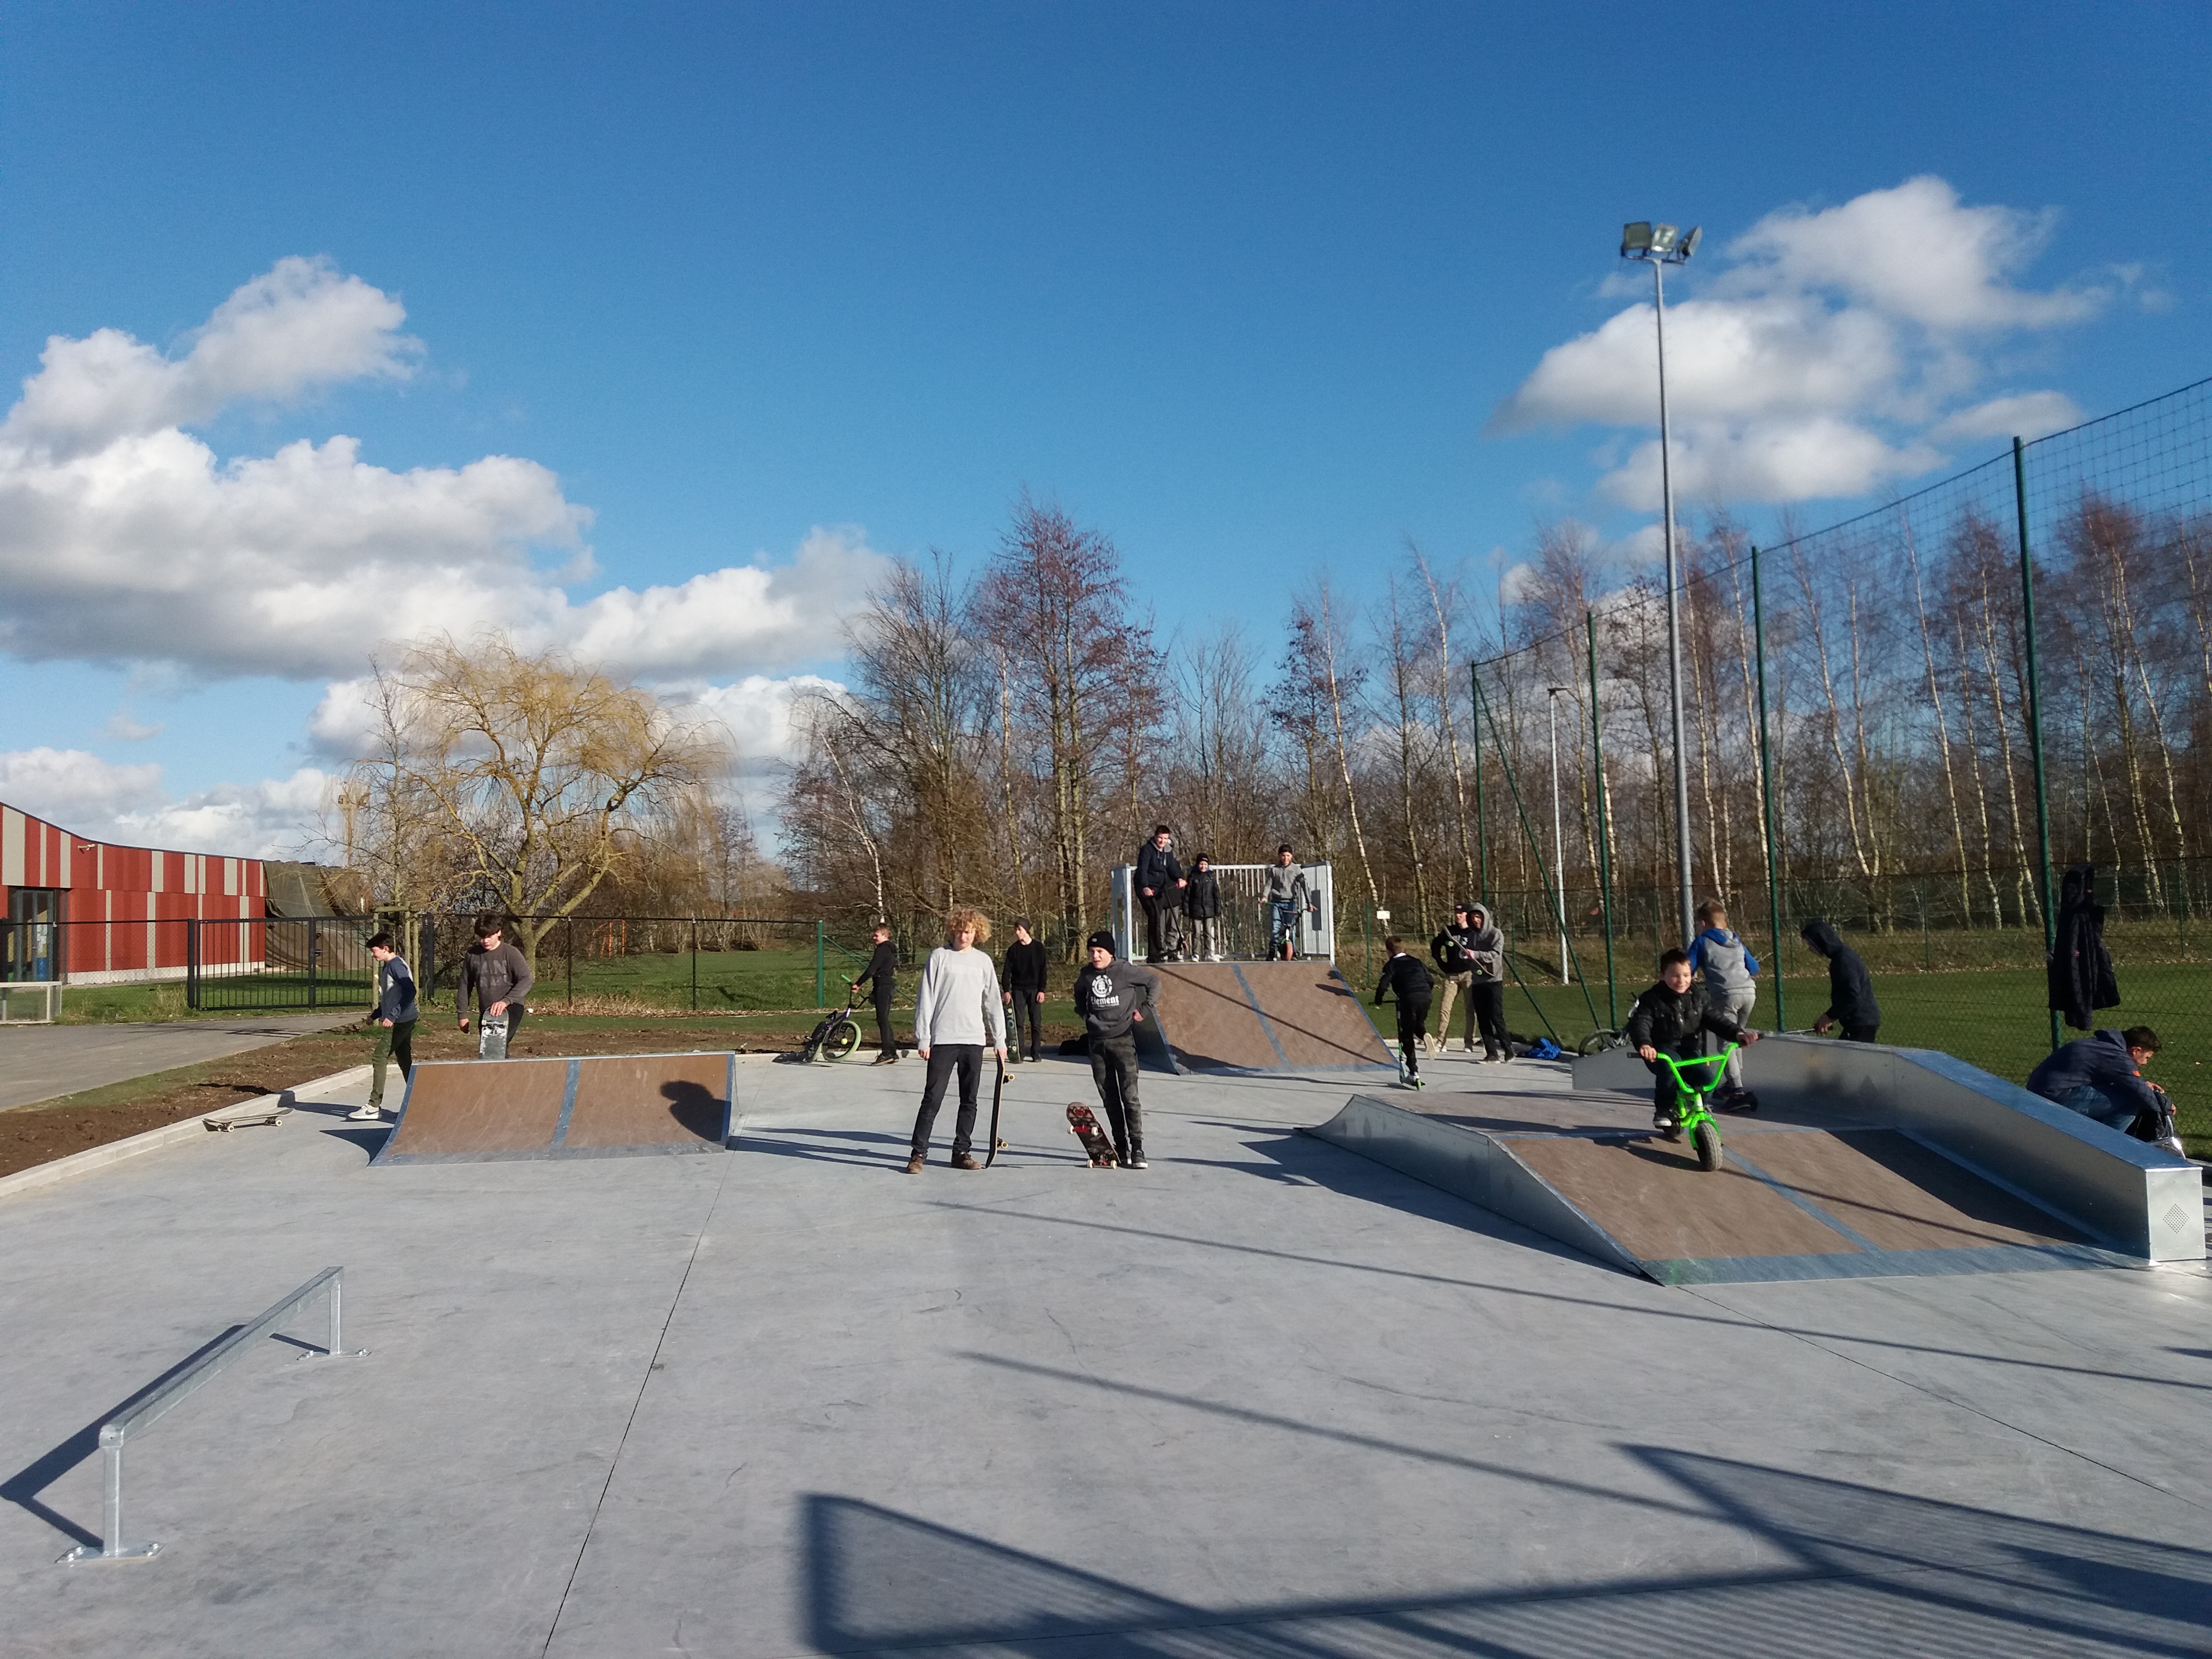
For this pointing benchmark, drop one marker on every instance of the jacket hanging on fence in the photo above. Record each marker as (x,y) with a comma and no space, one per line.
(2080,968)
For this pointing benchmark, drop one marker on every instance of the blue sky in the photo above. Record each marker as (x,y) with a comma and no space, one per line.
(1243,286)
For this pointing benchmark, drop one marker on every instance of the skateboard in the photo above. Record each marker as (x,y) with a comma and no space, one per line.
(1083,1125)
(491,1038)
(998,1090)
(271,1118)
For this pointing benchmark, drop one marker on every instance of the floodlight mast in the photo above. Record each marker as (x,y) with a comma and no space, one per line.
(1660,245)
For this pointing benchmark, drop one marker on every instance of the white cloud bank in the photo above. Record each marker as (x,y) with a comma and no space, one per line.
(1831,354)
(125,539)
(276,817)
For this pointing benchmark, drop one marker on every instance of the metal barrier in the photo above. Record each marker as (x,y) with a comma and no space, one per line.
(143,1415)
(1245,921)
(18,997)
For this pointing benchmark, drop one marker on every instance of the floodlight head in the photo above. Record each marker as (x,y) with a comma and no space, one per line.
(1558,690)
(1663,238)
(1689,242)
(1636,239)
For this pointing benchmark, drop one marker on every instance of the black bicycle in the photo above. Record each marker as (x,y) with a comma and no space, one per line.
(835,1037)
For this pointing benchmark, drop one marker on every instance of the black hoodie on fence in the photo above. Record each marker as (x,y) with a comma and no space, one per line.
(2081,970)
(1850,987)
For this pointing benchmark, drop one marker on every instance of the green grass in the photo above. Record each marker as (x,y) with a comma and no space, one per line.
(729,981)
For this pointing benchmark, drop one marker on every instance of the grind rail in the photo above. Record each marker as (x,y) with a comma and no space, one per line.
(118,1430)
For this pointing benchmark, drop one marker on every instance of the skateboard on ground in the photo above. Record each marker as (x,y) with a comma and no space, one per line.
(491,1038)
(1082,1124)
(271,1118)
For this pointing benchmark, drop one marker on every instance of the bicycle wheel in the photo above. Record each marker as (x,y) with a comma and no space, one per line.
(1708,1139)
(844,1037)
(1598,1041)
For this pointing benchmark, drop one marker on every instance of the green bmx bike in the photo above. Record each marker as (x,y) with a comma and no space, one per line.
(1693,1107)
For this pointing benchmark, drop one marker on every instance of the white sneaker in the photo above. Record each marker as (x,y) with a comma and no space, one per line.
(366,1115)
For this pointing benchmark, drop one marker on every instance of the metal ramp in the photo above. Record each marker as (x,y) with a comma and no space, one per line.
(1806,1193)
(593,1106)
(1262,1017)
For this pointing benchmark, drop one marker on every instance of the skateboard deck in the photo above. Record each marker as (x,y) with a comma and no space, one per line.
(271,1118)
(1082,1124)
(491,1038)
(998,1092)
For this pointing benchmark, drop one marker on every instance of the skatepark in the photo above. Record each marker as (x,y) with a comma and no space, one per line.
(1347,1370)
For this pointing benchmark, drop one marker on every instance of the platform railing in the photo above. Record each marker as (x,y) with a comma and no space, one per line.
(120,1430)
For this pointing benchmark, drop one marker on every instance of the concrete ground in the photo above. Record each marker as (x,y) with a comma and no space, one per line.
(39,1062)
(1265,1399)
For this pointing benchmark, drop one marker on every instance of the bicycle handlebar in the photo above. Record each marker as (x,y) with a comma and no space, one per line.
(1719,1060)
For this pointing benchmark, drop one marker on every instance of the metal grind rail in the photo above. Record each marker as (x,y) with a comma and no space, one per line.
(119,1430)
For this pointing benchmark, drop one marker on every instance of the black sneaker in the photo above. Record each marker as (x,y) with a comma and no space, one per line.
(1664,1122)
(1135,1160)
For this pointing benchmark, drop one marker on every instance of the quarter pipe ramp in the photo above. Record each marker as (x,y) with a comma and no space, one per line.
(595,1106)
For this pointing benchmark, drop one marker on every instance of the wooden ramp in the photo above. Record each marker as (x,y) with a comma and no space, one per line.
(595,1106)
(1794,1199)
(1260,1017)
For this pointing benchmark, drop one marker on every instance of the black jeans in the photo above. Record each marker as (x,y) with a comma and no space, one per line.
(943,1058)
(883,1036)
(1025,1008)
(1412,1021)
(1860,1033)
(1489,1000)
(1114,1069)
(1163,925)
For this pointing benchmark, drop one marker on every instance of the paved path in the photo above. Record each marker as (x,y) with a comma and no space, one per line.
(38,1062)
(1266,1399)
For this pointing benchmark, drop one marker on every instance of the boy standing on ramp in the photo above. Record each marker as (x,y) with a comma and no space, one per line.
(1111,997)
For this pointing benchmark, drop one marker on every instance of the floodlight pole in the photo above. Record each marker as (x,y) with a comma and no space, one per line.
(1673,621)
(1559,842)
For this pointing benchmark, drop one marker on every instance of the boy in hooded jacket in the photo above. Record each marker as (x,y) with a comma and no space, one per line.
(1850,987)
(1405,979)
(1729,970)
(1672,1017)
(1201,903)
(1479,947)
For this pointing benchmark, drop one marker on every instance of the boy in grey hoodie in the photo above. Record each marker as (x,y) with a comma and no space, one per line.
(1729,970)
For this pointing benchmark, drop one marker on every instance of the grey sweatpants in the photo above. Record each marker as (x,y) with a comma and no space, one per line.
(1738,1008)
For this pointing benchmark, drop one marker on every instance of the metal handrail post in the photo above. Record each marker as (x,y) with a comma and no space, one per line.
(1766,791)
(117,1432)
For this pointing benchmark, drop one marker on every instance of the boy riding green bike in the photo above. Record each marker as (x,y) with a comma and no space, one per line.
(1666,1028)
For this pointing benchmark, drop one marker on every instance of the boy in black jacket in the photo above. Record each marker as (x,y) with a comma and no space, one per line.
(1404,978)
(1674,1016)
(1024,983)
(1202,904)
(1850,987)
(881,976)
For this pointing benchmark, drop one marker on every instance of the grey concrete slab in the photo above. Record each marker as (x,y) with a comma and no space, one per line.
(39,1062)
(1266,1397)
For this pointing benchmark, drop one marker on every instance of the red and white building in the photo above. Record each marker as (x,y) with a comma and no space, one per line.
(92,913)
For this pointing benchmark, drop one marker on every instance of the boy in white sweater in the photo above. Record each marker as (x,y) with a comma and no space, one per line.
(957,1004)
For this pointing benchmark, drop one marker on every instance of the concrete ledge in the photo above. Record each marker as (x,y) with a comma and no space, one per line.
(195,1127)
(2134,1198)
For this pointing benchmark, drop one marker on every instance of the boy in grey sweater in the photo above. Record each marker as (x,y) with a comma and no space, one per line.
(1111,998)
(956,1006)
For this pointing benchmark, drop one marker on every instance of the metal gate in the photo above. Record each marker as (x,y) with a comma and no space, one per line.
(280,962)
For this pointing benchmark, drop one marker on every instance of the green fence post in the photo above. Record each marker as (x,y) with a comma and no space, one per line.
(694,968)
(2034,713)
(1766,791)
(1604,846)
(571,926)
(817,964)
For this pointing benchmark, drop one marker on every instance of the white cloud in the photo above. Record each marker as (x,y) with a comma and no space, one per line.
(125,538)
(2022,414)
(122,727)
(756,712)
(1916,251)
(1828,359)
(127,803)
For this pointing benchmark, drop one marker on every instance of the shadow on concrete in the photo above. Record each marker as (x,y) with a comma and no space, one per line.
(369,1136)
(1860,1571)
(769,1141)
(22,1488)
(696,1109)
